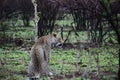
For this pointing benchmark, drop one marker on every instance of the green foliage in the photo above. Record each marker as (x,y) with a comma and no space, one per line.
(64,22)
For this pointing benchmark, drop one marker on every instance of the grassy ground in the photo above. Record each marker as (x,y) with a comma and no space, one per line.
(71,64)
(67,64)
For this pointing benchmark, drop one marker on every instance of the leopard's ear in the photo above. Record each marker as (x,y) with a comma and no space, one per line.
(54,34)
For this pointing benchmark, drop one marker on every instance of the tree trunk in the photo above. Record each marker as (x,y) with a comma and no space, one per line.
(36,18)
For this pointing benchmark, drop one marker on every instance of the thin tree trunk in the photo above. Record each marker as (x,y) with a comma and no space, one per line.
(36,19)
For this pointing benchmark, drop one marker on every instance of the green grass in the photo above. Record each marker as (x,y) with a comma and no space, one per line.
(15,63)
